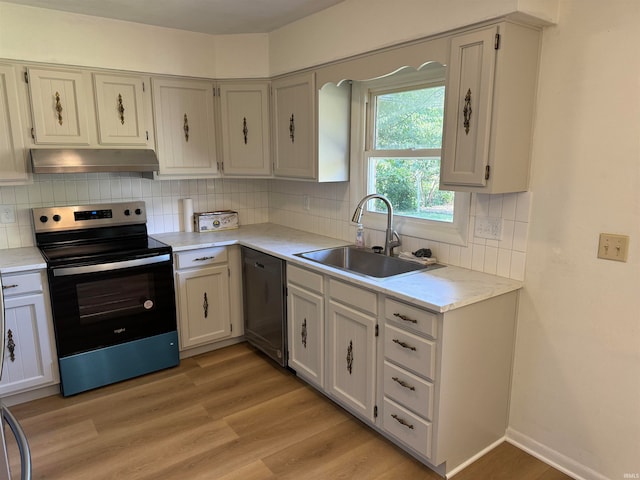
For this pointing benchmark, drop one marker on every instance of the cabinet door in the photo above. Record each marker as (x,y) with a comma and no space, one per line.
(122,104)
(28,361)
(294,123)
(468,108)
(306,334)
(13,166)
(245,129)
(203,303)
(185,127)
(352,355)
(59,105)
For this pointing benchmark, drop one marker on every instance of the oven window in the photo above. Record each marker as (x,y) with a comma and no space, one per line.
(103,300)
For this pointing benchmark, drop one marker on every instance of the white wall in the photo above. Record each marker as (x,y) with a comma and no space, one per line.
(39,35)
(576,387)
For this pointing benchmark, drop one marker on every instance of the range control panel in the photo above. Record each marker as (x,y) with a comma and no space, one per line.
(49,219)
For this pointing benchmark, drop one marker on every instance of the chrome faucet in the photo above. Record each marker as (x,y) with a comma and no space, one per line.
(389,242)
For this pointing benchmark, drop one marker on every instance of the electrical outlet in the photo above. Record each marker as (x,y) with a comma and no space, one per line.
(7,214)
(488,227)
(613,247)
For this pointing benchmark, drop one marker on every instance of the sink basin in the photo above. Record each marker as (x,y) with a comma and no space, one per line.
(365,262)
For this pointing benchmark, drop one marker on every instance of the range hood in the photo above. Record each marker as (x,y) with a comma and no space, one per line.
(88,160)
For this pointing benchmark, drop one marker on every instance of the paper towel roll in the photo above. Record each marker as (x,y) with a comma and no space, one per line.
(187,214)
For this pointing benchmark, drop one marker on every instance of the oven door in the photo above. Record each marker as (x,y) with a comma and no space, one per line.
(107,304)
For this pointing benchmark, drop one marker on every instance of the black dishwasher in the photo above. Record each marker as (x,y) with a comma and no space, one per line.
(265,306)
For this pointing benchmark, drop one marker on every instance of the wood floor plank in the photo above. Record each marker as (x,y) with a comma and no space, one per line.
(227,415)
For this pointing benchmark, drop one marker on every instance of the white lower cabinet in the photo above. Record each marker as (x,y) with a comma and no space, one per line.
(351,354)
(437,384)
(305,314)
(351,345)
(30,360)
(205,297)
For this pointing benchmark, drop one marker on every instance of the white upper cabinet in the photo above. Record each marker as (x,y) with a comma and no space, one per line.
(123,109)
(185,127)
(490,97)
(13,167)
(245,129)
(59,106)
(311,129)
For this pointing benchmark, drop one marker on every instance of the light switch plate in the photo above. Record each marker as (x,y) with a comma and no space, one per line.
(613,247)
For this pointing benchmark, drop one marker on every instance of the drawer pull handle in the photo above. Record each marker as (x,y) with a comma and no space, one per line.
(404,384)
(404,345)
(202,259)
(5,287)
(405,318)
(401,421)
(350,357)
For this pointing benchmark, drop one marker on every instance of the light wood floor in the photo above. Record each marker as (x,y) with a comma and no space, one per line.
(226,415)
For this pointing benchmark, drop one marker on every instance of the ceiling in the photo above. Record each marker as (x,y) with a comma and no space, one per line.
(216,17)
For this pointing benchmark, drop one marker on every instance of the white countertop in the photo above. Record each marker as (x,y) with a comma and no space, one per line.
(21,259)
(439,290)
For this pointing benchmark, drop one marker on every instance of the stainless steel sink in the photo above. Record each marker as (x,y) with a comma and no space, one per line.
(365,262)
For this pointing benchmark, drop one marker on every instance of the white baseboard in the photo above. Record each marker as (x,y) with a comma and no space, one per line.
(469,461)
(551,457)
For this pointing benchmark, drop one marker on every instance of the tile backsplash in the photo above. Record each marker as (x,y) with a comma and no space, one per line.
(260,200)
(329,213)
(163,199)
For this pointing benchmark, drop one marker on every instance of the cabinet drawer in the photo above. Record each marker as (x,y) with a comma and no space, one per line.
(411,317)
(13,285)
(201,257)
(411,391)
(305,278)
(354,296)
(410,351)
(407,427)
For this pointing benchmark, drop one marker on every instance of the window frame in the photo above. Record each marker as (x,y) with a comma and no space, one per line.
(363,133)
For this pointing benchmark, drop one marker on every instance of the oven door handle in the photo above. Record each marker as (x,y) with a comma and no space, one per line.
(103,267)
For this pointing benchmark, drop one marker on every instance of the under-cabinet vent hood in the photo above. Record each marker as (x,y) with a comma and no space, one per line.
(87,160)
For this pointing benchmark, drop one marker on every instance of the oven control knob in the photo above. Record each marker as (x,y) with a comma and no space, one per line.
(44,218)
(138,211)
(127,212)
(56,218)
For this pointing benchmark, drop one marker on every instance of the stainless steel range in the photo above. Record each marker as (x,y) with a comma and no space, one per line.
(112,293)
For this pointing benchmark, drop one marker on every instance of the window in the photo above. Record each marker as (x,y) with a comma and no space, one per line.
(402,151)
(404,157)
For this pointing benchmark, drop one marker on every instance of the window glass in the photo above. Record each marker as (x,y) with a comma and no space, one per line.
(403,162)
